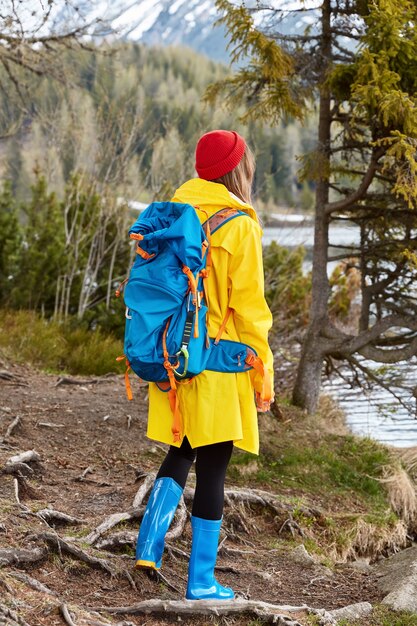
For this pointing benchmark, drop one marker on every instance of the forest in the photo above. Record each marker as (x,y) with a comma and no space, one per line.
(95,147)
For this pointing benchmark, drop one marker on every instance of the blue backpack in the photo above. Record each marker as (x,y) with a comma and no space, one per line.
(166,336)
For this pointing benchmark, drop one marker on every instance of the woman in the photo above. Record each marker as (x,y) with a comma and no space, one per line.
(218,408)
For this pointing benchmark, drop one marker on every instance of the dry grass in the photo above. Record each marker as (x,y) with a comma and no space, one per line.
(409,460)
(372,540)
(401,493)
(330,417)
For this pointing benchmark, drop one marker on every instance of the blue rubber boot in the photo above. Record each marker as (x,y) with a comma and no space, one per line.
(159,513)
(201,582)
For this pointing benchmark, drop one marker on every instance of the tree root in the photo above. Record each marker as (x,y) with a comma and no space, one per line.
(94,622)
(32,582)
(50,515)
(157,575)
(136,513)
(60,545)
(181,518)
(66,615)
(117,540)
(17,469)
(111,521)
(264,499)
(266,612)
(82,615)
(15,556)
(9,617)
(145,487)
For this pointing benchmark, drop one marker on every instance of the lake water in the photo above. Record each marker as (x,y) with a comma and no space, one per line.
(376,413)
(302,234)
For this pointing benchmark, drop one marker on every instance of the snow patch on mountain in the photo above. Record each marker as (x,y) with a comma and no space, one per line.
(190,23)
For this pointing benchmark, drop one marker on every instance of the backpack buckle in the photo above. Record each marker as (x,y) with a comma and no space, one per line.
(197,305)
(183,351)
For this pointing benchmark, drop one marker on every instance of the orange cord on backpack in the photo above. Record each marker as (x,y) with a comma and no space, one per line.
(127,380)
(176,428)
(121,287)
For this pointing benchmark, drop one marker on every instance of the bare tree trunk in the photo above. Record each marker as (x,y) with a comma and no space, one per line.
(308,381)
(110,276)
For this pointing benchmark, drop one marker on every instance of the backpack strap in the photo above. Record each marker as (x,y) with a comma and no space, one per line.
(218,219)
(210,226)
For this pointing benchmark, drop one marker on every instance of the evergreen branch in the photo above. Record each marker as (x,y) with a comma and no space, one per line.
(266,84)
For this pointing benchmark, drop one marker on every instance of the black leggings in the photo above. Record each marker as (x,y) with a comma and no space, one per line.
(210,468)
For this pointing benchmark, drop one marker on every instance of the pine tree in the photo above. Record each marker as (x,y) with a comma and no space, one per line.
(10,242)
(42,251)
(358,62)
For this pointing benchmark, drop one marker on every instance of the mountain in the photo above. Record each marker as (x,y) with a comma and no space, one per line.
(155,22)
(191,23)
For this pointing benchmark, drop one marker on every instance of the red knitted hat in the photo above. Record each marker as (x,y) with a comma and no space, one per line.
(217,153)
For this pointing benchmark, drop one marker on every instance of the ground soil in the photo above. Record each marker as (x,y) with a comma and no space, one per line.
(96,427)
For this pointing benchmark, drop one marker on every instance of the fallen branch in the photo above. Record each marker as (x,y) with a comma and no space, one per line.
(4,375)
(81,477)
(234,551)
(16,495)
(14,424)
(269,613)
(256,497)
(68,380)
(50,425)
(24,457)
(18,466)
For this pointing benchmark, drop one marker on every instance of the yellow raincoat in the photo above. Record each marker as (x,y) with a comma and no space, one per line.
(218,406)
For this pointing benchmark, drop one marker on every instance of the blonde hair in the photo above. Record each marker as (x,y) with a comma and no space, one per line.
(239,180)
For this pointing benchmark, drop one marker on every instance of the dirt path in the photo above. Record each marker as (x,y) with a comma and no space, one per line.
(76,427)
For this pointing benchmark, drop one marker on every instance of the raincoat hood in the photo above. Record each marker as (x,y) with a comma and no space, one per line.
(211,196)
